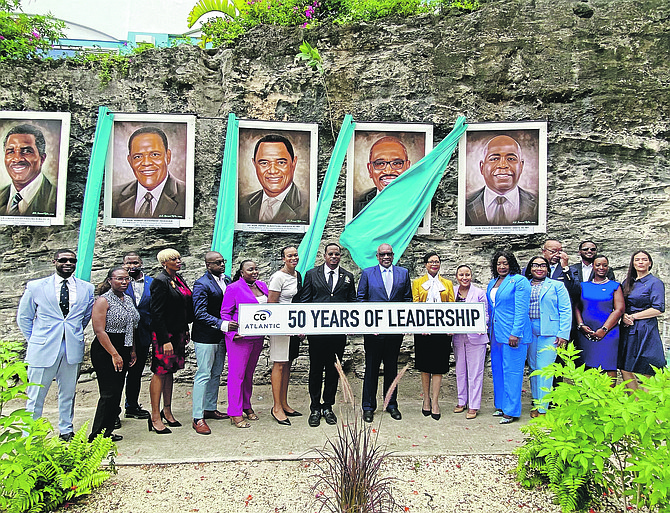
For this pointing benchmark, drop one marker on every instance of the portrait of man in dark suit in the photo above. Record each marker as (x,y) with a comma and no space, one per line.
(279,200)
(155,192)
(30,192)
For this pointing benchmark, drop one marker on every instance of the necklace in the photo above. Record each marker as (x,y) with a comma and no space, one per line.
(601,282)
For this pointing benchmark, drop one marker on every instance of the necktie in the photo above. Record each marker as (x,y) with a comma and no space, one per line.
(14,208)
(388,281)
(330,280)
(267,210)
(499,217)
(145,209)
(64,299)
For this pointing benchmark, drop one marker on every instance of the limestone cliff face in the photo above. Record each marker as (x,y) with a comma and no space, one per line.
(597,71)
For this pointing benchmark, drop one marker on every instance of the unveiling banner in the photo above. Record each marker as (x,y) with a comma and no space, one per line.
(360,318)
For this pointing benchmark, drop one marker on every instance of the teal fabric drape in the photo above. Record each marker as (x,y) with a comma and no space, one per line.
(224,223)
(309,247)
(91,206)
(394,214)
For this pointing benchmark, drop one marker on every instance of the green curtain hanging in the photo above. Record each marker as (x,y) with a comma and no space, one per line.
(309,247)
(395,213)
(91,206)
(224,223)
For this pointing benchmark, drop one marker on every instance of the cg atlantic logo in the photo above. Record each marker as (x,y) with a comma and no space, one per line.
(262,315)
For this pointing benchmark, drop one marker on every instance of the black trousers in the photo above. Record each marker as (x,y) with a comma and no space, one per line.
(322,351)
(110,384)
(134,377)
(378,349)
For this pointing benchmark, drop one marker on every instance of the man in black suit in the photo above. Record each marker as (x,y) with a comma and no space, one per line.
(583,271)
(383,282)
(327,283)
(155,193)
(552,250)
(30,193)
(501,202)
(279,201)
(208,342)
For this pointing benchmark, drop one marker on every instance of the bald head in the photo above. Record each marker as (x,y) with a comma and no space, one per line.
(502,164)
(388,160)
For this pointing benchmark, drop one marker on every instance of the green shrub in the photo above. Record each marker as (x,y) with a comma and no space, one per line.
(600,441)
(24,36)
(40,472)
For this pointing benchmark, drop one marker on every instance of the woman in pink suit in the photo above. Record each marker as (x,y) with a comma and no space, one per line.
(469,349)
(243,352)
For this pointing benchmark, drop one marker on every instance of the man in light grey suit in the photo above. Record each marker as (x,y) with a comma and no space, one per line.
(501,202)
(52,315)
(155,193)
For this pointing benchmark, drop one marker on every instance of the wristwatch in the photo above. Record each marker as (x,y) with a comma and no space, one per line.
(604,329)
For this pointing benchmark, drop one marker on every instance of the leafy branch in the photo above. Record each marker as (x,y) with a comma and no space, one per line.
(311,54)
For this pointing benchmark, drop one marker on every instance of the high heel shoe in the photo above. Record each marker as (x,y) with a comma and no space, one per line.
(426,413)
(436,416)
(164,431)
(284,422)
(240,424)
(176,423)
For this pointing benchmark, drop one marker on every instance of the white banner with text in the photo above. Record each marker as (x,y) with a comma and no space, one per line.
(360,318)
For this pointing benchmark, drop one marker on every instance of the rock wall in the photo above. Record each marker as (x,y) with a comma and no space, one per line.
(596,71)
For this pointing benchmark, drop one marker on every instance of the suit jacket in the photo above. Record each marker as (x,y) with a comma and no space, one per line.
(143,333)
(419,294)
(475,213)
(171,204)
(170,311)
(42,323)
(207,299)
(43,204)
(237,293)
(371,287)
(576,273)
(364,199)
(555,310)
(292,210)
(315,287)
(477,295)
(510,315)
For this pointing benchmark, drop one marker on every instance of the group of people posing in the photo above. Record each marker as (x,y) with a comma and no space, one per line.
(528,313)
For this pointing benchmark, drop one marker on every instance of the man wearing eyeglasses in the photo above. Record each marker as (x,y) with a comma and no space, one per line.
(583,271)
(207,335)
(279,201)
(52,315)
(388,160)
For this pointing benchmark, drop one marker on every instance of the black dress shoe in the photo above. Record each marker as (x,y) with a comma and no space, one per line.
(284,422)
(117,423)
(66,437)
(116,438)
(314,419)
(294,413)
(368,415)
(136,412)
(330,417)
(174,423)
(395,413)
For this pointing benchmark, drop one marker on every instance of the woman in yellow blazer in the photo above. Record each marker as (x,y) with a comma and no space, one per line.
(432,351)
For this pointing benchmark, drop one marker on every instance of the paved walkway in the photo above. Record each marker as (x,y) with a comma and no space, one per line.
(415,434)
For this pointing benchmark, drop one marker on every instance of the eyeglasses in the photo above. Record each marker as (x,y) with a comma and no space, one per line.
(396,165)
(123,278)
(589,249)
(538,266)
(217,262)
(552,251)
(66,260)
(433,262)
(385,254)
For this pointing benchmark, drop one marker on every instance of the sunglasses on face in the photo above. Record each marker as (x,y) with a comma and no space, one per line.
(385,254)
(66,260)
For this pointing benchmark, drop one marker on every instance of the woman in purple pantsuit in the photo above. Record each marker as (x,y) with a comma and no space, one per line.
(469,349)
(243,352)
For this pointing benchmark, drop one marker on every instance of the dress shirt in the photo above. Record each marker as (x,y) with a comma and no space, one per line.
(155,192)
(586,272)
(270,205)
(387,278)
(221,282)
(138,288)
(71,288)
(510,207)
(336,274)
(27,195)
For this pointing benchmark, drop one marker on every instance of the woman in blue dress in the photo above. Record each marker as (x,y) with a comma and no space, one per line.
(640,346)
(598,312)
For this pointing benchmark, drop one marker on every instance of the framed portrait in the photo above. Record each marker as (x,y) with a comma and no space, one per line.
(34,175)
(276,176)
(377,154)
(149,171)
(502,178)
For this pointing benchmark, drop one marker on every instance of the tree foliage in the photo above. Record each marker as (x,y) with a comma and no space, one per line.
(24,36)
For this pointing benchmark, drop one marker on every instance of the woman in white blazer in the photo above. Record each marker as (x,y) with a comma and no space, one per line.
(469,349)
(550,313)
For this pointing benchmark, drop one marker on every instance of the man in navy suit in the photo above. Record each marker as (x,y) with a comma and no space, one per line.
(52,315)
(207,335)
(552,250)
(327,283)
(138,290)
(583,271)
(383,282)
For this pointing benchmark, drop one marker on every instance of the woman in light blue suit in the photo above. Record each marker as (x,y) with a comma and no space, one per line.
(508,295)
(550,313)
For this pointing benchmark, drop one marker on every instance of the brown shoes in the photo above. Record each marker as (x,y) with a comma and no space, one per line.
(459,408)
(201,427)
(472,414)
(214,414)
